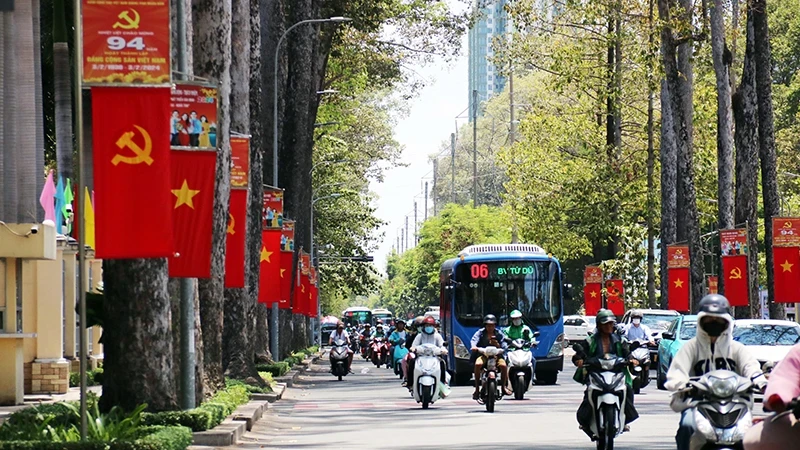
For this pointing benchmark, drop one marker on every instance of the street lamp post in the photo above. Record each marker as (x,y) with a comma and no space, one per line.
(311,245)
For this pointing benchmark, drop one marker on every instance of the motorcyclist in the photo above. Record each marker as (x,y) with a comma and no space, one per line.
(489,335)
(341,334)
(399,332)
(366,335)
(713,348)
(378,333)
(427,335)
(517,329)
(636,330)
(413,331)
(603,342)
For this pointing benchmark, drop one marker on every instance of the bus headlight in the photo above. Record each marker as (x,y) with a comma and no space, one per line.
(557,349)
(461,349)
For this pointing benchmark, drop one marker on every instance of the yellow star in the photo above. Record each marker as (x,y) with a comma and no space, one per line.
(787,266)
(593,294)
(282,270)
(678,283)
(265,255)
(184,195)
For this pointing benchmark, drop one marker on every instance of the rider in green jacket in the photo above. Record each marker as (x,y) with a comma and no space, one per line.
(518,330)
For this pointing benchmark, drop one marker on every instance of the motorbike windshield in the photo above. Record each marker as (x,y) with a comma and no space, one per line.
(533,287)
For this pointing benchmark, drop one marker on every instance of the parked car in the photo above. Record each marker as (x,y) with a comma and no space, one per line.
(679,332)
(577,328)
(768,340)
(658,320)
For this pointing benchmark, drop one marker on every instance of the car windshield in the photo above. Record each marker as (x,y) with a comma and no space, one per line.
(591,321)
(688,331)
(498,288)
(658,321)
(767,334)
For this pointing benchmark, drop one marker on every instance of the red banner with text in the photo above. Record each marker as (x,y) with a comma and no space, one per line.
(786,258)
(592,290)
(615,296)
(240,161)
(272,211)
(713,284)
(193,116)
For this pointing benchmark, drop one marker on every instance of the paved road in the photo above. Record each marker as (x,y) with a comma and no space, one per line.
(369,409)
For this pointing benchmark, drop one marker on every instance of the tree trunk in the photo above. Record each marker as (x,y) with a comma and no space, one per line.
(260,322)
(745,107)
(8,129)
(651,162)
(724,119)
(138,348)
(766,142)
(30,174)
(38,136)
(211,22)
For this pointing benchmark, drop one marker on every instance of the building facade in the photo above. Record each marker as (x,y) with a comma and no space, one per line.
(491,23)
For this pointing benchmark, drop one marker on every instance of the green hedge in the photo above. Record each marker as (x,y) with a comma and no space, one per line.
(248,387)
(206,416)
(280,368)
(93,378)
(152,438)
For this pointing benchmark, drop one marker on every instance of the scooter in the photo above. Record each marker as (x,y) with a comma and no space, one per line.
(521,365)
(378,351)
(720,402)
(354,341)
(491,390)
(641,373)
(399,352)
(607,394)
(427,374)
(782,428)
(338,357)
(364,347)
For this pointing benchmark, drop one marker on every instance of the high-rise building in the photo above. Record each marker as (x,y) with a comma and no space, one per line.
(491,23)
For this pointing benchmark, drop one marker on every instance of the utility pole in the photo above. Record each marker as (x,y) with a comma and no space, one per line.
(397,238)
(453,166)
(407,241)
(474,148)
(512,136)
(426,202)
(435,169)
(402,242)
(416,238)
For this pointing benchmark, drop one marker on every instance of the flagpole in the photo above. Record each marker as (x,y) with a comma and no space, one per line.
(81,205)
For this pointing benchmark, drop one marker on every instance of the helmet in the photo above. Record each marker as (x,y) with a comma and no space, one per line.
(418,321)
(399,321)
(714,304)
(367,325)
(636,313)
(605,316)
(380,322)
(489,319)
(429,321)
(515,314)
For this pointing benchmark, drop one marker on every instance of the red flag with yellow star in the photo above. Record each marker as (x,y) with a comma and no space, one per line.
(678,292)
(786,262)
(287,260)
(235,241)
(592,290)
(269,284)
(130,136)
(192,212)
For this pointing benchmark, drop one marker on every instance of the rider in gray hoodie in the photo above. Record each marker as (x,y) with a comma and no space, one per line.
(713,348)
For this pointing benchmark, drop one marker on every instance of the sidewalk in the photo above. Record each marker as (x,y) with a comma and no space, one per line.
(74,394)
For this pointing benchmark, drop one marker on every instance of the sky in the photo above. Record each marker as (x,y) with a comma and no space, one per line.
(429,122)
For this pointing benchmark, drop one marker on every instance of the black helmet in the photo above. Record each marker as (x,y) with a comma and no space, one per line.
(715,304)
(490,318)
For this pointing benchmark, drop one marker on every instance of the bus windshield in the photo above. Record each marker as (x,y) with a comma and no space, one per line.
(500,287)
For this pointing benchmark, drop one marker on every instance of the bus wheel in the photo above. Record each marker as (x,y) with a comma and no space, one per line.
(548,378)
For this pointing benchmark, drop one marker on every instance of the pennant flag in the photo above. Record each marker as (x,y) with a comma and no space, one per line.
(287,259)
(678,291)
(60,205)
(615,296)
(46,198)
(88,220)
(69,208)
(713,284)
(235,241)
(786,264)
(734,269)
(130,129)
(592,290)
(269,282)
(192,182)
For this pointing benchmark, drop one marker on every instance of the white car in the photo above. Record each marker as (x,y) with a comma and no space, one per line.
(768,340)
(577,328)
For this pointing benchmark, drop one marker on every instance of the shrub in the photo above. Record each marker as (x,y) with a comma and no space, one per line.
(149,438)
(206,416)
(93,378)
(277,369)
(248,387)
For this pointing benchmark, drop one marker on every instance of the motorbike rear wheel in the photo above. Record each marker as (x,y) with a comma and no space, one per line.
(427,394)
(491,389)
(340,378)
(519,388)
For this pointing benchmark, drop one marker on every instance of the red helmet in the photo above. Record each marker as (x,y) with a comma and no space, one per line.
(429,321)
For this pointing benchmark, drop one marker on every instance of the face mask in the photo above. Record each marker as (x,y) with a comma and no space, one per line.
(516,322)
(636,321)
(429,330)
(714,328)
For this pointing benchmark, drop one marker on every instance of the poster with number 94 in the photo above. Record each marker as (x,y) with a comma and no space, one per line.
(126,42)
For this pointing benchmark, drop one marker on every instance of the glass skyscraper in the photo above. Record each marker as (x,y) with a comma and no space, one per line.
(483,77)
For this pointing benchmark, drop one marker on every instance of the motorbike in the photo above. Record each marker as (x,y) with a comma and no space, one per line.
(427,374)
(491,390)
(606,392)
(364,347)
(641,373)
(379,352)
(720,402)
(338,357)
(782,428)
(521,365)
(354,341)
(398,353)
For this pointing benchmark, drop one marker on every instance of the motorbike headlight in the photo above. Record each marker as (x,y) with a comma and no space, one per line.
(557,349)
(461,350)
(723,388)
(607,364)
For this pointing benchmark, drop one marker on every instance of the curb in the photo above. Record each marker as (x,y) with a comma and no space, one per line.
(272,397)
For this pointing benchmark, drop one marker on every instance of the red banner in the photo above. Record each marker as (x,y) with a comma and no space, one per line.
(132,173)
(126,42)
(193,174)
(314,301)
(302,292)
(734,269)
(678,291)
(287,259)
(287,236)
(305,263)
(592,274)
(193,116)
(733,242)
(785,232)
(269,284)
(240,161)
(786,264)
(592,298)
(713,284)
(272,211)
(615,296)
(235,239)
(677,256)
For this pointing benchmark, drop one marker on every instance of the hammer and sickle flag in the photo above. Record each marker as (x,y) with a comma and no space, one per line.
(131,154)
(192,189)
(734,269)
(235,242)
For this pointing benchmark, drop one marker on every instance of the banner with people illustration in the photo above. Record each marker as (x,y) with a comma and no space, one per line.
(733,246)
(272,211)
(193,116)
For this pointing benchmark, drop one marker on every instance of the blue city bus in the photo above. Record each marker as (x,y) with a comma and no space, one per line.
(497,279)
